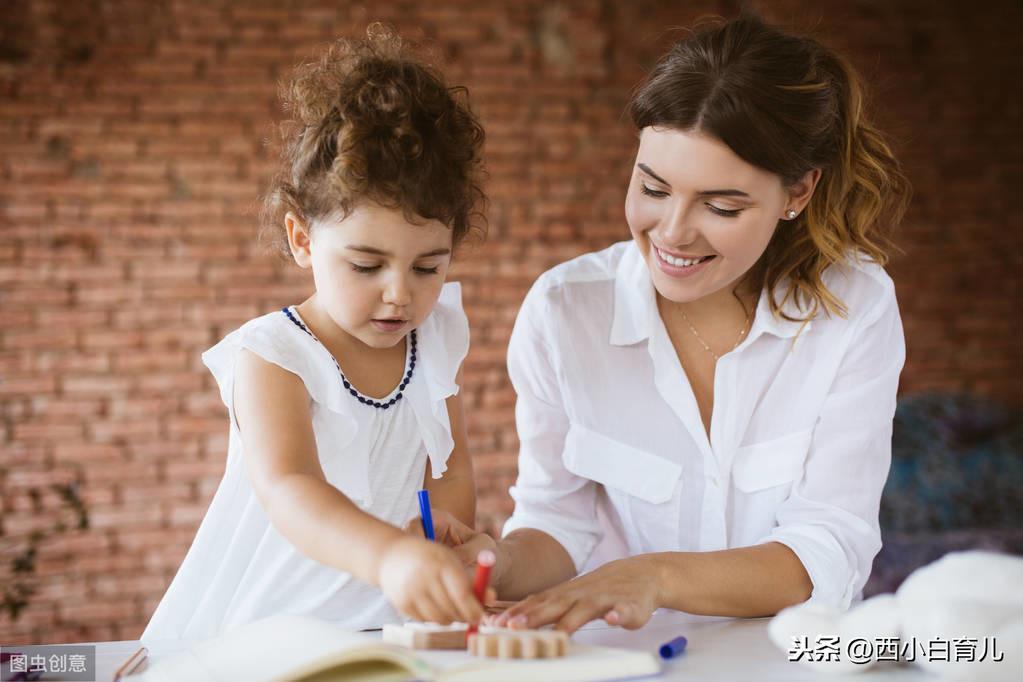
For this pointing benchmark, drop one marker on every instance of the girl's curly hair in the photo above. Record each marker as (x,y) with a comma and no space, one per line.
(369,121)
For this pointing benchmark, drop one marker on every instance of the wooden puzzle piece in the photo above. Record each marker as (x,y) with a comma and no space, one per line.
(506,643)
(426,635)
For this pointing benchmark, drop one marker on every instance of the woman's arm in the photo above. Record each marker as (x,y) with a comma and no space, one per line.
(742,582)
(745,582)
(529,560)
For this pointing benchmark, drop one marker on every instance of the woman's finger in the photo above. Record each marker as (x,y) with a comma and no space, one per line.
(543,612)
(518,609)
(627,615)
(580,613)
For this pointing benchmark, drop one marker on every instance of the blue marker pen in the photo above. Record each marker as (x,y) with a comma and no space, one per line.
(424,513)
(673,648)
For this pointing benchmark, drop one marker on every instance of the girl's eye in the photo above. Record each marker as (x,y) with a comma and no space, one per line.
(655,193)
(426,271)
(727,213)
(365,268)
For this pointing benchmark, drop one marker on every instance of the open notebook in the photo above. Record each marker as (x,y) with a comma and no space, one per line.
(301,649)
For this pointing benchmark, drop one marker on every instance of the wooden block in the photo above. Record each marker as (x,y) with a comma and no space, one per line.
(426,635)
(506,643)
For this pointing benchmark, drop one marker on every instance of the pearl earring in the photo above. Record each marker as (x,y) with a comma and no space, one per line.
(791,213)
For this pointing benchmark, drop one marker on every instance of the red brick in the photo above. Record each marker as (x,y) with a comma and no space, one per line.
(95,385)
(87,453)
(96,611)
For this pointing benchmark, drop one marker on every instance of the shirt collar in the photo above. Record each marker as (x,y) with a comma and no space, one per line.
(767,322)
(635,303)
(635,306)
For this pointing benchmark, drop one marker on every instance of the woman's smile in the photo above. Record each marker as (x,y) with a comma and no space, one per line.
(679,266)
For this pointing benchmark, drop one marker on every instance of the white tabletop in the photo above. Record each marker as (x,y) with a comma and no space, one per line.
(718,649)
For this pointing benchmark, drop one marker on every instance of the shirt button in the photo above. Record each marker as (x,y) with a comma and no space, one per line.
(714,481)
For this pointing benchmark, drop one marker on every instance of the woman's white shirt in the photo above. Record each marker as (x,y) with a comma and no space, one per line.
(614,459)
(239,567)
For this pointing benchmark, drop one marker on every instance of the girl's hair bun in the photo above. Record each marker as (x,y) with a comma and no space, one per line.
(369,120)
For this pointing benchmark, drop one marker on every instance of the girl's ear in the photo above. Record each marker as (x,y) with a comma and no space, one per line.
(801,191)
(298,239)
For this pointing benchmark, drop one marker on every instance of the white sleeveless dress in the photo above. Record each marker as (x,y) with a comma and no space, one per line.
(239,567)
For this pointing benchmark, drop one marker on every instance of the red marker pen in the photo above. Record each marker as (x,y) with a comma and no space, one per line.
(485,560)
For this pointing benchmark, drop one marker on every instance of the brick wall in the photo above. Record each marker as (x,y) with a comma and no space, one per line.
(132,137)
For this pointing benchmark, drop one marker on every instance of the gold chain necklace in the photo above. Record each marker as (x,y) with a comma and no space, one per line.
(742,333)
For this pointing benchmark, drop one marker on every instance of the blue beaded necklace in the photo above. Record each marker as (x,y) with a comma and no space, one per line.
(344,380)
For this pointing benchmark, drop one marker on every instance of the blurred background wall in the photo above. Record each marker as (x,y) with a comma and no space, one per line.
(133,154)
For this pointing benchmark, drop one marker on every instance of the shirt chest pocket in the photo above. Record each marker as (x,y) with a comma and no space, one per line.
(641,487)
(771,464)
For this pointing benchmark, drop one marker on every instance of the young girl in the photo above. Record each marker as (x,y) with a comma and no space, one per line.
(343,406)
(705,411)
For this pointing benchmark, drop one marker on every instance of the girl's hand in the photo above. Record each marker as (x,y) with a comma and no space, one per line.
(466,542)
(447,529)
(624,592)
(427,582)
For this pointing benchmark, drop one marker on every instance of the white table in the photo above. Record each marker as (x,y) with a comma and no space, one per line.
(719,650)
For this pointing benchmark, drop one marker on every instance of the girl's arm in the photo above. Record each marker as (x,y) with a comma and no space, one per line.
(273,413)
(455,491)
(422,579)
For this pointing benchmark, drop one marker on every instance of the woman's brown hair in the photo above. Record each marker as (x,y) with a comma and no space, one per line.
(786,104)
(371,121)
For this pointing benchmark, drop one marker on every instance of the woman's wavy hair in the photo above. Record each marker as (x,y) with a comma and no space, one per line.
(369,120)
(786,104)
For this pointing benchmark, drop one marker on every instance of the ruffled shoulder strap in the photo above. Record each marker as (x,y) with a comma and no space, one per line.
(276,339)
(443,345)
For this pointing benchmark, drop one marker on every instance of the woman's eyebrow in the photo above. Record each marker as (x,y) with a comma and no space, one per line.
(379,252)
(722,193)
(646,169)
(704,193)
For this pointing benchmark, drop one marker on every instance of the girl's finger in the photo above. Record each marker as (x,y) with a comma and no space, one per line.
(430,608)
(462,599)
(448,605)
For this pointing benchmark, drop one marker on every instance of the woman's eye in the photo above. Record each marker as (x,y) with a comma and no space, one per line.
(727,213)
(655,193)
(426,271)
(365,268)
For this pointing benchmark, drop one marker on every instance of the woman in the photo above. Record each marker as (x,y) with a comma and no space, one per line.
(709,406)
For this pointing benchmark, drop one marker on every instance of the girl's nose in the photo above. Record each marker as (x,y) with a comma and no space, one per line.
(397,292)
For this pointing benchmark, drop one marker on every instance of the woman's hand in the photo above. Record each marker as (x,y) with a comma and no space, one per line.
(427,582)
(624,592)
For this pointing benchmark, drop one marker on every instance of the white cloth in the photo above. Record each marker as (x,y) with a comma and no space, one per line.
(239,567)
(614,459)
